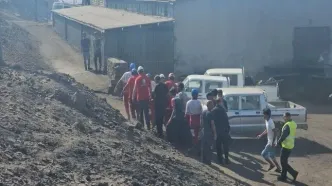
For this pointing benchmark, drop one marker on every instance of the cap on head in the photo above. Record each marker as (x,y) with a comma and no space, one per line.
(148,74)
(194,92)
(171,75)
(132,66)
(133,72)
(162,76)
(140,69)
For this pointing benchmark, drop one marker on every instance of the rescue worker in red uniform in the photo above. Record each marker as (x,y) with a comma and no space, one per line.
(128,91)
(121,83)
(193,114)
(142,93)
(170,83)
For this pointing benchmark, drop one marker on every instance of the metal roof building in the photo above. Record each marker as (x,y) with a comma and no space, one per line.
(146,40)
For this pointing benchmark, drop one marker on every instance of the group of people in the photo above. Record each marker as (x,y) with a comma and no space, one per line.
(165,103)
(190,126)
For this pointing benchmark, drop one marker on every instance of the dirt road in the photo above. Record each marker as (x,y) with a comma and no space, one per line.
(312,156)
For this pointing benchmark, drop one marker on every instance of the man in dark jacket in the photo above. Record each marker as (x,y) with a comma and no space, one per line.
(208,134)
(85,46)
(221,122)
(160,93)
(287,142)
(97,51)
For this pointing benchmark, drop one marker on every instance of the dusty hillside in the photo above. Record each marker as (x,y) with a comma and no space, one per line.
(55,131)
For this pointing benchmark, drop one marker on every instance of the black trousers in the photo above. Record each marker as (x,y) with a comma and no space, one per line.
(222,146)
(284,155)
(97,57)
(144,112)
(159,112)
(206,151)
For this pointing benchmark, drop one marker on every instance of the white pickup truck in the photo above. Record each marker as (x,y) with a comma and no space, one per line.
(203,84)
(236,78)
(245,114)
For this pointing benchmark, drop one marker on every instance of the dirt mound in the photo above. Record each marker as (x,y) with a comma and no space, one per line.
(55,131)
(19,47)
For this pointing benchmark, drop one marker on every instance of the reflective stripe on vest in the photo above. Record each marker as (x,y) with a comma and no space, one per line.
(288,143)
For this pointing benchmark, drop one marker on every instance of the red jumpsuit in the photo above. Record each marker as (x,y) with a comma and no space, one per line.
(169,109)
(130,88)
(193,114)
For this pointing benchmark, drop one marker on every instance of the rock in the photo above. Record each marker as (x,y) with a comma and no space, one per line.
(103,184)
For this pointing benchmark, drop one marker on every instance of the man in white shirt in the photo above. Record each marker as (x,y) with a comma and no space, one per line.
(269,151)
(125,77)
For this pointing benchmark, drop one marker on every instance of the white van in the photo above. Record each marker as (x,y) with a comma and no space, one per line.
(204,84)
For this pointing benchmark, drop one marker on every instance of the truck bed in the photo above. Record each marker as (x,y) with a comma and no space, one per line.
(283,104)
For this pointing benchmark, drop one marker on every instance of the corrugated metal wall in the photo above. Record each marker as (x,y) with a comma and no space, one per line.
(98,2)
(155,8)
(150,46)
(74,34)
(228,33)
(59,25)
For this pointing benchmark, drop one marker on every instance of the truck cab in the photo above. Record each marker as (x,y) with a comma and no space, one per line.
(236,78)
(203,84)
(245,111)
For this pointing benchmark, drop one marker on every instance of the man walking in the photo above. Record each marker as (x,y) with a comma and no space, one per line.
(97,52)
(128,93)
(269,151)
(160,104)
(221,122)
(142,93)
(287,142)
(170,82)
(182,95)
(209,133)
(125,77)
(220,95)
(193,114)
(85,47)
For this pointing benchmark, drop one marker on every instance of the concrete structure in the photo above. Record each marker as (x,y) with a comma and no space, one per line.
(229,33)
(145,40)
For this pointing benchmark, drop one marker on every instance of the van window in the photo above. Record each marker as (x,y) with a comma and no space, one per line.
(232,102)
(251,102)
(232,79)
(193,84)
(211,85)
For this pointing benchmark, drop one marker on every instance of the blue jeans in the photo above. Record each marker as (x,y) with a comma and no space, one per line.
(268,152)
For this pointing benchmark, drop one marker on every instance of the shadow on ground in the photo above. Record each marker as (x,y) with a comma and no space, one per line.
(303,147)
